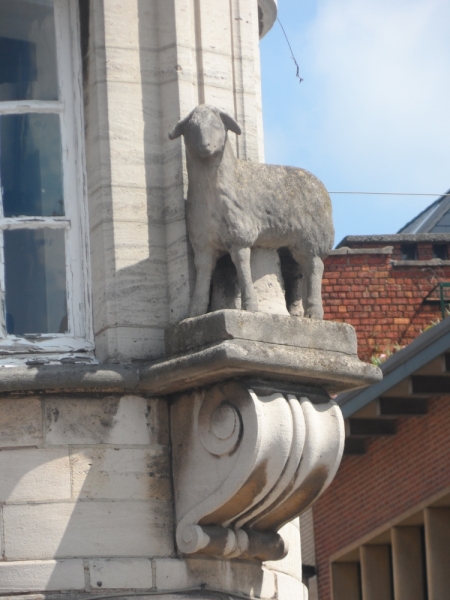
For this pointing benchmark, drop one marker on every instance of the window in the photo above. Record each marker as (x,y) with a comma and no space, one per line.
(43,263)
(440,251)
(409,251)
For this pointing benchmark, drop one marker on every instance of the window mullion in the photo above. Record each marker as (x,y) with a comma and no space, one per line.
(72,136)
(2,288)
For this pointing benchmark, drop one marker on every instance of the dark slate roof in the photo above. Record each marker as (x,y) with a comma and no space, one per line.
(434,219)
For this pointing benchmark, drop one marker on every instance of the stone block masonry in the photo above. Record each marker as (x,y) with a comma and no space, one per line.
(85,495)
(86,504)
(389,301)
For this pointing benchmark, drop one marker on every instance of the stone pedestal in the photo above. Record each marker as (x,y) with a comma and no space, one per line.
(256,437)
(239,344)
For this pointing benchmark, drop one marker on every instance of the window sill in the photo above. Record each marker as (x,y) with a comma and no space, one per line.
(434,262)
(34,359)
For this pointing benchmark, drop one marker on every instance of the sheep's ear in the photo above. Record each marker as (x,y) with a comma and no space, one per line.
(179,127)
(230,123)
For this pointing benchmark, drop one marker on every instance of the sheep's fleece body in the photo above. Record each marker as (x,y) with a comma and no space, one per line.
(235,205)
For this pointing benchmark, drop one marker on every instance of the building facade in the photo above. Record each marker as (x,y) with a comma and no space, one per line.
(382,529)
(389,287)
(140,455)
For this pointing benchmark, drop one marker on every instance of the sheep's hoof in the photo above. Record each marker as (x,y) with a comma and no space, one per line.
(296,309)
(251,305)
(314,313)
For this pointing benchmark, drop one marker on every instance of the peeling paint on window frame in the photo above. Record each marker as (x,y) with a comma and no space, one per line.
(78,343)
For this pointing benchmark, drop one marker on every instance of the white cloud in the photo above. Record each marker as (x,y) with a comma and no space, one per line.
(383,90)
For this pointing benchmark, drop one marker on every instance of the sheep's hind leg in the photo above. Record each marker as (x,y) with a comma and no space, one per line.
(204,265)
(312,268)
(241,259)
(296,307)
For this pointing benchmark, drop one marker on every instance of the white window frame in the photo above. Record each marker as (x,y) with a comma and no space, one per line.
(79,341)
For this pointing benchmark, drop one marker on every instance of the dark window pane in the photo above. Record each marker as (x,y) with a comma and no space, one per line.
(409,251)
(440,251)
(27,50)
(35,281)
(30,165)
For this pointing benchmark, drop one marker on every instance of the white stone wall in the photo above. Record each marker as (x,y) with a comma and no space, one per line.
(85,492)
(86,503)
(148,64)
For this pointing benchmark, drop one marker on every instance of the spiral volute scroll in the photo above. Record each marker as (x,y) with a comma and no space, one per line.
(245,464)
(219,424)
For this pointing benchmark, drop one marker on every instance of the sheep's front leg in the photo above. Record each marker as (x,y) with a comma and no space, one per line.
(241,259)
(204,265)
(312,267)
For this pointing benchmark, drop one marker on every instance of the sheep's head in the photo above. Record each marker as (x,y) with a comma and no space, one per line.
(205,130)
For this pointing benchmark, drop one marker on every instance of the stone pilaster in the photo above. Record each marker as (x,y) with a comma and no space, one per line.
(147,64)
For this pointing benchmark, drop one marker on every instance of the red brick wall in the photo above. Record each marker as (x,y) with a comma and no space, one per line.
(396,474)
(383,302)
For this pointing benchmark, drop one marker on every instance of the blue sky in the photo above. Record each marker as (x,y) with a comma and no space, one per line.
(373,111)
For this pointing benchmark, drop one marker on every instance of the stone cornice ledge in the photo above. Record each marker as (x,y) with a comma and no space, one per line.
(70,378)
(221,345)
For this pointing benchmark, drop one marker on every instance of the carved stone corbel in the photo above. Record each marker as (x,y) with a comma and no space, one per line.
(246,461)
(256,437)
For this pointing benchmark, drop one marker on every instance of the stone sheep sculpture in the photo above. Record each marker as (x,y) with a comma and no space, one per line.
(235,205)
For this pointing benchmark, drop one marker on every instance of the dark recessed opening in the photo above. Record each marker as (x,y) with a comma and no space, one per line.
(409,251)
(440,251)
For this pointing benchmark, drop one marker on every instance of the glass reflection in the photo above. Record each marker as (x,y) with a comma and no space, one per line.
(30,165)
(28,68)
(35,281)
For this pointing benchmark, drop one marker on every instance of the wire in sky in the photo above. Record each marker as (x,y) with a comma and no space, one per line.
(292,53)
(390,194)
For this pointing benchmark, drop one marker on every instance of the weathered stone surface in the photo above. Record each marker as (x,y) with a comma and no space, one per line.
(236,205)
(244,465)
(269,14)
(333,371)
(217,346)
(247,578)
(103,529)
(274,329)
(141,74)
(34,475)
(121,473)
(20,420)
(37,576)
(107,420)
(290,563)
(72,377)
(132,573)
(267,281)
